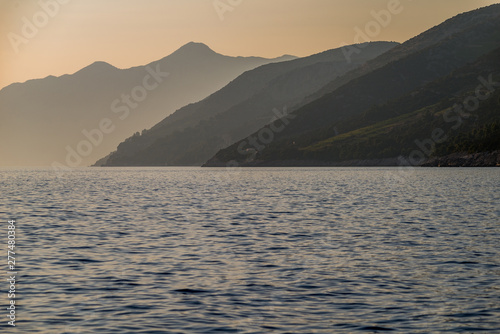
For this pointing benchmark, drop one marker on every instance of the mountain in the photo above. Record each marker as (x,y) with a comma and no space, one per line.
(194,133)
(318,132)
(427,39)
(42,120)
(425,123)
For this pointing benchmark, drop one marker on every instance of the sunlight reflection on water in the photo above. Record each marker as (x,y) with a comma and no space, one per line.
(190,250)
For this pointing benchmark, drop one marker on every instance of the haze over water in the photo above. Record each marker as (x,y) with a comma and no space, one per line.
(190,250)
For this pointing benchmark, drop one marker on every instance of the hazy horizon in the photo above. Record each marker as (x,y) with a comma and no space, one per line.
(70,35)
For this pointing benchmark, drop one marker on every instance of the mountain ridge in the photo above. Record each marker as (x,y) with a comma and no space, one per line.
(416,43)
(66,105)
(244,104)
(319,119)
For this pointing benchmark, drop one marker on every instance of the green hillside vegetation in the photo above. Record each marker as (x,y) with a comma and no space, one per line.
(389,136)
(398,136)
(395,79)
(385,113)
(380,134)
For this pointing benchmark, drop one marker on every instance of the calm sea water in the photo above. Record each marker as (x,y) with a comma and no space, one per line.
(189,250)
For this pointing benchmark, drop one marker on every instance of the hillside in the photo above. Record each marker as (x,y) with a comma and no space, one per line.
(433,36)
(347,124)
(194,133)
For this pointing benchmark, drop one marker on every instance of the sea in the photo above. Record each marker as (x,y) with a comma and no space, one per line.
(270,250)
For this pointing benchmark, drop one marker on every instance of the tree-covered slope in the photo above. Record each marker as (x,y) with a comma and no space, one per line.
(381,113)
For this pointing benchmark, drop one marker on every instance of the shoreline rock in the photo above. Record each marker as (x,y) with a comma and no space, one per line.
(483,159)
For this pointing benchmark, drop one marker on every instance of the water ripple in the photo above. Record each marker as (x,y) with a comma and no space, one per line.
(189,250)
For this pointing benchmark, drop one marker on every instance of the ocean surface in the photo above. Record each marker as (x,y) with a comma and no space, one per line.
(284,250)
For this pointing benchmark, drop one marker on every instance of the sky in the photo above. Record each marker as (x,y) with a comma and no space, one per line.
(55,37)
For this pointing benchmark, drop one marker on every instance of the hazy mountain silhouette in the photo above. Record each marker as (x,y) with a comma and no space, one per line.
(40,118)
(356,96)
(194,133)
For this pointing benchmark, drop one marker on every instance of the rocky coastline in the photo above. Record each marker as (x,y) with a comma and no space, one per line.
(483,159)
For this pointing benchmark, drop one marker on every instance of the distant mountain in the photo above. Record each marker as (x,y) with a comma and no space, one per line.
(40,118)
(194,133)
(353,122)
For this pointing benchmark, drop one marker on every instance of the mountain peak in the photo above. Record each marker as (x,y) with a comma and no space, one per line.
(101,65)
(196,48)
(97,67)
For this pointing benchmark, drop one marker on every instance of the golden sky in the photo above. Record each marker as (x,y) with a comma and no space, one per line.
(71,34)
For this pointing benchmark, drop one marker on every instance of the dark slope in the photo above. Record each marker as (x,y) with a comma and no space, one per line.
(433,36)
(194,133)
(425,123)
(326,116)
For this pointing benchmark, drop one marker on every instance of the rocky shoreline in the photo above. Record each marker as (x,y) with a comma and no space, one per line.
(484,159)
(307,163)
